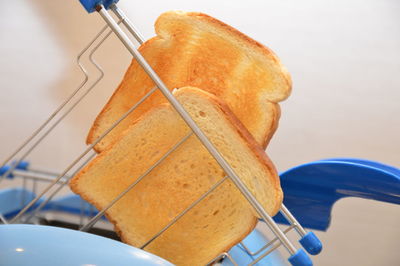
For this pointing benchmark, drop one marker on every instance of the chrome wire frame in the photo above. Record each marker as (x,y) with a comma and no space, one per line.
(53,116)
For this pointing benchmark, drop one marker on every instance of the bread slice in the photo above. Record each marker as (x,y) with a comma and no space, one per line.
(193,49)
(219,221)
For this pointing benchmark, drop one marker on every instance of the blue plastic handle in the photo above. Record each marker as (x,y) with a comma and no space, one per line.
(311,243)
(311,189)
(300,258)
(90,5)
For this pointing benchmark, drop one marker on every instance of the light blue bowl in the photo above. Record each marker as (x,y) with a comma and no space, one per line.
(47,245)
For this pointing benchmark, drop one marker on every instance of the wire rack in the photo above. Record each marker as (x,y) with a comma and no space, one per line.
(33,203)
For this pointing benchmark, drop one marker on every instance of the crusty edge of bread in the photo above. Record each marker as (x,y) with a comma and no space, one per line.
(274,126)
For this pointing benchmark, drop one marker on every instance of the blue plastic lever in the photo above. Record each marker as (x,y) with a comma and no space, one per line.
(90,5)
(311,189)
(311,243)
(300,258)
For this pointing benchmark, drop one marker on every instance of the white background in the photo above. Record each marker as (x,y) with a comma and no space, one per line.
(344,57)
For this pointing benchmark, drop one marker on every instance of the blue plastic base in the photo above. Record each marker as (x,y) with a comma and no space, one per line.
(47,245)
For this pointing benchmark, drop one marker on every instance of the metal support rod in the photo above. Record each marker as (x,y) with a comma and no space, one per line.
(292,220)
(118,12)
(41,172)
(265,254)
(131,186)
(72,107)
(74,104)
(24,191)
(34,176)
(2,219)
(221,256)
(266,245)
(59,108)
(189,121)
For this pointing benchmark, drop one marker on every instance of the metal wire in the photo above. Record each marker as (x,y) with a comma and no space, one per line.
(33,176)
(2,219)
(41,172)
(222,256)
(266,245)
(131,28)
(91,59)
(292,220)
(255,261)
(88,149)
(265,254)
(51,117)
(23,195)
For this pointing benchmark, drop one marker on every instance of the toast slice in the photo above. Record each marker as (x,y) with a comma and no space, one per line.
(220,220)
(193,49)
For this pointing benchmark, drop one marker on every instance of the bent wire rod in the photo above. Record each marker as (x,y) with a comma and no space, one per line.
(292,220)
(64,182)
(92,221)
(269,251)
(266,245)
(223,256)
(35,176)
(199,133)
(86,151)
(52,116)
